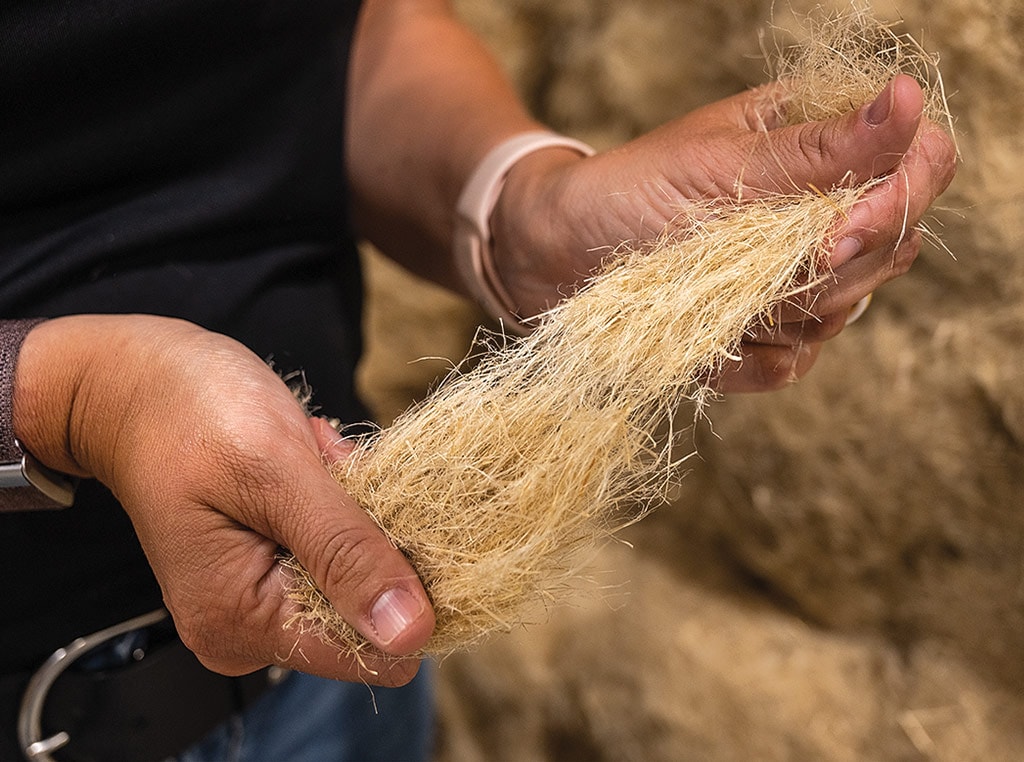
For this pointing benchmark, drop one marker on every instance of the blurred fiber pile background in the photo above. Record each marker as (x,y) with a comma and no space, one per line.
(842,575)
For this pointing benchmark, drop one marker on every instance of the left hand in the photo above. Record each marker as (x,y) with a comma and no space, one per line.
(558,213)
(218,468)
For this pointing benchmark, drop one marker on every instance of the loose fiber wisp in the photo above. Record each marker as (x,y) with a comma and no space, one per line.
(498,485)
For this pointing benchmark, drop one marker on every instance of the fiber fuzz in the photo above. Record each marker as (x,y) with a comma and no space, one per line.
(499,485)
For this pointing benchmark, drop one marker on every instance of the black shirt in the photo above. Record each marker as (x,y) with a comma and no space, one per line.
(178,157)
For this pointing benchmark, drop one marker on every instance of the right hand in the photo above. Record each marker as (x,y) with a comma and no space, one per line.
(218,467)
(558,213)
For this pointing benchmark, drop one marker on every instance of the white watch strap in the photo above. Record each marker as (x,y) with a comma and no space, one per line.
(858,309)
(473,242)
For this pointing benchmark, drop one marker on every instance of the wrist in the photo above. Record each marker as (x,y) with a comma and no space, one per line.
(531,233)
(79,381)
(49,379)
(491,215)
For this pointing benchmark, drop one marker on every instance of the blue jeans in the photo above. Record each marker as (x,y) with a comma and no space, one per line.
(310,719)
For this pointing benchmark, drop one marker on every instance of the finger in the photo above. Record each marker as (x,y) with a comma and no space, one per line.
(765,367)
(822,312)
(282,490)
(336,448)
(247,621)
(853,281)
(809,328)
(850,149)
(332,444)
(369,582)
(891,209)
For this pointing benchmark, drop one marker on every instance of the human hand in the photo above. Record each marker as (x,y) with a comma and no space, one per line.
(559,214)
(218,467)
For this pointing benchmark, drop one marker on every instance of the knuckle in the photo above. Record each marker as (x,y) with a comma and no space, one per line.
(348,558)
(196,638)
(901,264)
(828,327)
(249,482)
(905,255)
(776,369)
(204,636)
(781,377)
(813,144)
(940,152)
(789,364)
(222,632)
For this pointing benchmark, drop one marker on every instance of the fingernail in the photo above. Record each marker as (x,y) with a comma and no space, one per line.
(393,612)
(880,108)
(846,250)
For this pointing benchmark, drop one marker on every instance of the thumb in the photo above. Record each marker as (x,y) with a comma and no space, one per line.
(851,149)
(368,581)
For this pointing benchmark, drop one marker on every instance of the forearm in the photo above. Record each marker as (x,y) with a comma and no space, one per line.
(427,101)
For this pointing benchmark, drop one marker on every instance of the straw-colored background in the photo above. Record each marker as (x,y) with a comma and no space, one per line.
(842,577)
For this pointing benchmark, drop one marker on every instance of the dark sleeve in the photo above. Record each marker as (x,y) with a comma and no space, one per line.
(12,334)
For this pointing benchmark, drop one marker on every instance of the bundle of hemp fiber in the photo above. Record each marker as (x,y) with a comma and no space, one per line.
(499,486)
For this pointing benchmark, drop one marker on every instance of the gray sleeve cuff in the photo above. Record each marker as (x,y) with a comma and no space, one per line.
(12,334)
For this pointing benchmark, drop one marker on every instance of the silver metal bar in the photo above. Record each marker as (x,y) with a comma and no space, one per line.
(12,476)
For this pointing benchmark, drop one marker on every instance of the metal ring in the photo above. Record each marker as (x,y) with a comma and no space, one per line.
(30,716)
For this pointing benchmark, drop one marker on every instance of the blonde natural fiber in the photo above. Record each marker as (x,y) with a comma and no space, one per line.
(498,485)
(843,61)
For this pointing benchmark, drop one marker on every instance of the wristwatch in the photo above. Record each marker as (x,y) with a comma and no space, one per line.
(33,485)
(474,257)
